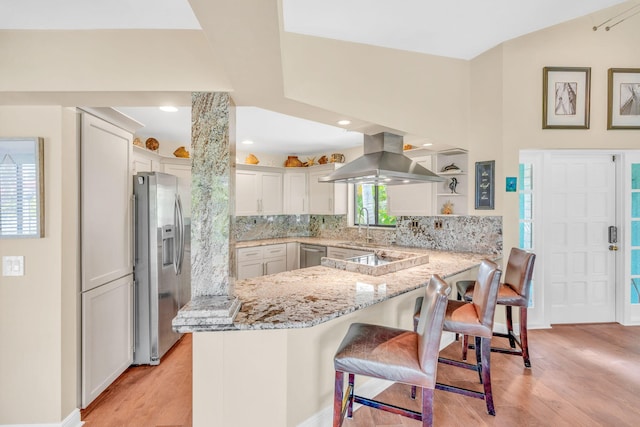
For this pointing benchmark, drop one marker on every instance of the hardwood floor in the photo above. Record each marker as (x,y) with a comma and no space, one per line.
(581,375)
(148,396)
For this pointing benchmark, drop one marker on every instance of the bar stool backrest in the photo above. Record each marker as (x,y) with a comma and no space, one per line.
(519,271)
(485,292)
(434,307)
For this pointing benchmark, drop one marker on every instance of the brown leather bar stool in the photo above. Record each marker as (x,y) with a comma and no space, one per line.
(393,354)
(514,292)
(475,318)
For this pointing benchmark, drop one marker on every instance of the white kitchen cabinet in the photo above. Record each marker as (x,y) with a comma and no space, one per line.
(344,253)
(143,160)
(293,256)
(296,194)
(444,194)
(412,199)
(326,198)
(258,190)
(261,260)
(107,335)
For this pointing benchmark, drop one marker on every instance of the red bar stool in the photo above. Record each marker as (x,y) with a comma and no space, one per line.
(475,318)
(393,354)
(514,292)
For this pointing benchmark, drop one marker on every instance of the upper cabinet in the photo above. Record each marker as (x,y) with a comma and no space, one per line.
(326,198)
(258,190)
(412,199)
(453,165)
(296,194)
(143,160)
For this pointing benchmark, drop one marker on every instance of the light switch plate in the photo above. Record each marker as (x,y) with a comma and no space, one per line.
(13,265)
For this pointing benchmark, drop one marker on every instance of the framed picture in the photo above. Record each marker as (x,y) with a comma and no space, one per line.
(623,110)
(566,93)
(511,184)
(485,189)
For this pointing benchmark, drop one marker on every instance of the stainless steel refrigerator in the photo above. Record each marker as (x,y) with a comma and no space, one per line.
(162,264)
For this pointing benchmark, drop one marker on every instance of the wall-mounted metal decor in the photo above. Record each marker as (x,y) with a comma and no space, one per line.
(485,188)
(21,187)
(623,110)
(566,93)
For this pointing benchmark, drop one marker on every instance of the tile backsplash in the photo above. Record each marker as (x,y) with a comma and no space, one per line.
(480,234)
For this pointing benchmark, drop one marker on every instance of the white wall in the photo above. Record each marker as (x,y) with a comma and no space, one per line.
(38,311)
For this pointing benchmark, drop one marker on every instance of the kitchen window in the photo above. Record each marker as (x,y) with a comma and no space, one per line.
(371,206)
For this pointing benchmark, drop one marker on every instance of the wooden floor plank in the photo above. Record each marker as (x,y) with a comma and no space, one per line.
(584,375)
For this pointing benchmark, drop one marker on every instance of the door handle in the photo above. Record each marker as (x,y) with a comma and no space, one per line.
(613,248)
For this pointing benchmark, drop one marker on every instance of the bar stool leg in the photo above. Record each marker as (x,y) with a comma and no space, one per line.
(337,399)
(479,363)
(351,393)
(465,346)
(485,354)
(512,341)
(524,341)
(427,407)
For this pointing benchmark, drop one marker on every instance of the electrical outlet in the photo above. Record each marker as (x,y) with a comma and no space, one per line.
(13,265)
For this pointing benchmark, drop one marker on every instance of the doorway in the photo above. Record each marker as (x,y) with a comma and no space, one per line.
(579,206)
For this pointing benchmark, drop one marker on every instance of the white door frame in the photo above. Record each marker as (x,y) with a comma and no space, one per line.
(538,314)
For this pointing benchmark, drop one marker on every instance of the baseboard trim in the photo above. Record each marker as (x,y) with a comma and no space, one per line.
(370,389)
(72,420)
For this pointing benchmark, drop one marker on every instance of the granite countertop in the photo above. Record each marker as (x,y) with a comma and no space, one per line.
(310,296)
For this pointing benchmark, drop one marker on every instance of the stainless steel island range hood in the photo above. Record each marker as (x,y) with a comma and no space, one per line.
(382,163)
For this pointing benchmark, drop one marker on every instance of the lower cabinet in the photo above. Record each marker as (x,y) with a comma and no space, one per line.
(107,335)
(344,253)
(261,260)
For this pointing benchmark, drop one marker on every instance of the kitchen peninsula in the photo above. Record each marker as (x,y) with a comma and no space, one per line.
(277,356)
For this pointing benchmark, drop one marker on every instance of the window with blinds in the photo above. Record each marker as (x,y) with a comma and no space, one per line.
(21,197)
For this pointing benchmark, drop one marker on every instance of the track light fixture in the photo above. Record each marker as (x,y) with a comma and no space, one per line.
(625,12)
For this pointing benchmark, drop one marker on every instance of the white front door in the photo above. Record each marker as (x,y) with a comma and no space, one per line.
(579,206)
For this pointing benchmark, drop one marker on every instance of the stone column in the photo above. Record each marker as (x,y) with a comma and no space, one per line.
(212,215)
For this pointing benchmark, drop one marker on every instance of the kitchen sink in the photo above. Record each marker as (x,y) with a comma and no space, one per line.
(378,262)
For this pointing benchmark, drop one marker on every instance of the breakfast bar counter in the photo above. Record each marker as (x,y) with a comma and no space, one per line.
(278,353)
(309,296)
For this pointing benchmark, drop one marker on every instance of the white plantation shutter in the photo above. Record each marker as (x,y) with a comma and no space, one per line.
(19,189)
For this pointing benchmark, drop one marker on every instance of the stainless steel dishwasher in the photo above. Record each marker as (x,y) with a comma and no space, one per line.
(311,255)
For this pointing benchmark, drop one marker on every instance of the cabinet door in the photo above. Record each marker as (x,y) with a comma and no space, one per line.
(295,193)
(183,172)
(141,164)
(107,190)
(320,195)
(249,269)
(412,199)
(107,335)
(338,253)
(275,265)
(293,256)
(247,193)
(270,193)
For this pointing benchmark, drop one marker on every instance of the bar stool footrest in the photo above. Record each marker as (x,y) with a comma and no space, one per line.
(388,407)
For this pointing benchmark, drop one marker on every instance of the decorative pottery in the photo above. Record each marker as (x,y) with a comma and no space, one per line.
(447,208)
(337,158)
(323,160)
(152,144)
(181,152)
(310,161)
(293,162)
(407,147)
(251,160)
(138,142)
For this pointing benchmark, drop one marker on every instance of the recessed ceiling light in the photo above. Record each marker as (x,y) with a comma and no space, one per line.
(428,144)
(344,122)
(168,108)
(247,142)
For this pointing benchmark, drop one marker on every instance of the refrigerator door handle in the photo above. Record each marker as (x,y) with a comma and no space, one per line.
(134,236)
(180,238)
(176,237)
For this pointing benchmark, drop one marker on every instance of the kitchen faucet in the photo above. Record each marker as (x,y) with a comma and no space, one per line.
(368,238)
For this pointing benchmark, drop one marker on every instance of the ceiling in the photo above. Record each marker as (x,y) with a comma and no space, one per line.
(458,29)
